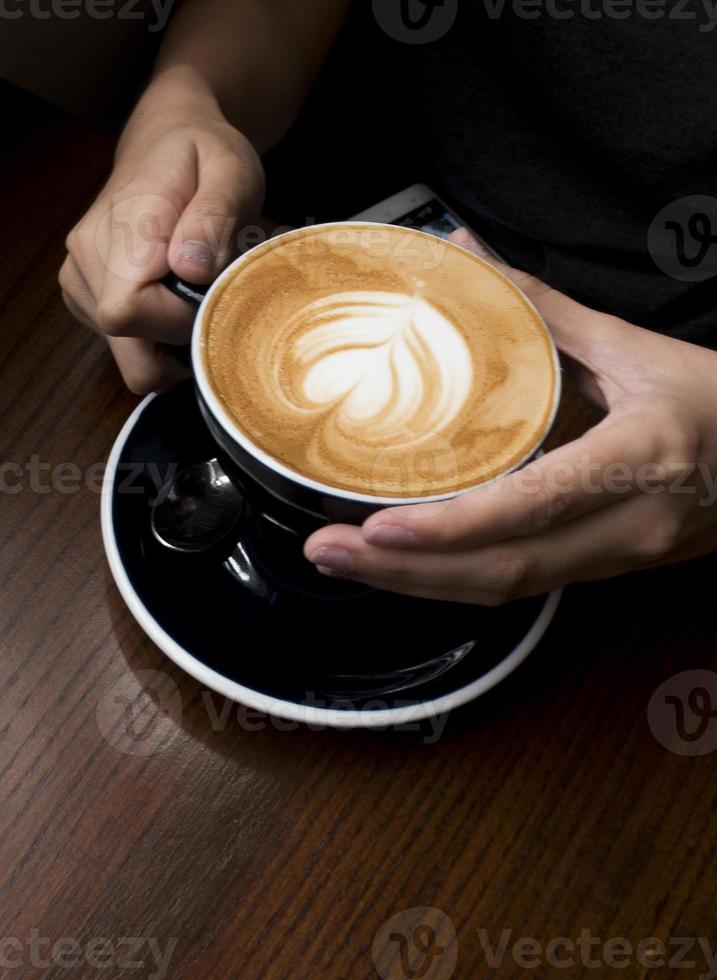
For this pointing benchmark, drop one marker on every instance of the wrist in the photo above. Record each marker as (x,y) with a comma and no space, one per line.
(180,86)
(175,96)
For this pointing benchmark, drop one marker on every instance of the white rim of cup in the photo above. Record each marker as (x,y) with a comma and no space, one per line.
(291,710)
(232,430)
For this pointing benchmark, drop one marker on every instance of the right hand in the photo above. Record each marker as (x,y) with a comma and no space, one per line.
(184,182)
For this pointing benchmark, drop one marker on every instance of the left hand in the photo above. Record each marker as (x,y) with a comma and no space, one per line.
(637,490)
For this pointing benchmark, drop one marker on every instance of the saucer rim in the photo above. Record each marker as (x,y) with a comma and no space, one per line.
(290,710)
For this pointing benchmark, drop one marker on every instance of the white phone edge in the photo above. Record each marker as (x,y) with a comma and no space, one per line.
(398,205)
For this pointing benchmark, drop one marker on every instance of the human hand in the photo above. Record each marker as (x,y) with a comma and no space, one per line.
(638,489)
(184,181)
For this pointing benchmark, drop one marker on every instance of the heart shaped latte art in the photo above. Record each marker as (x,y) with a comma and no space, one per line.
(386,365)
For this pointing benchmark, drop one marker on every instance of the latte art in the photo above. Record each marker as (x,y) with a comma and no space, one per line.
(377,365)
(407,368)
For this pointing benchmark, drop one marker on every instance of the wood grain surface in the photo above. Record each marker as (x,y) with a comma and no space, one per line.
(259,849)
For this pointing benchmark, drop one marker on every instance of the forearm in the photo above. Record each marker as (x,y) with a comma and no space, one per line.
(255,59)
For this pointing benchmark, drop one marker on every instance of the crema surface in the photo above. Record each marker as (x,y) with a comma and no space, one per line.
(379,360)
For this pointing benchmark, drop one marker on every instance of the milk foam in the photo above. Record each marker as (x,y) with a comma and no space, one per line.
(386,361)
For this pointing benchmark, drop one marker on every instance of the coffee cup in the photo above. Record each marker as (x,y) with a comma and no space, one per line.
(351,366)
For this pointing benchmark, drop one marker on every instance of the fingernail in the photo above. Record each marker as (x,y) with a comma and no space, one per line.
(337,559)
(390,536)
(331,572)
(198,253)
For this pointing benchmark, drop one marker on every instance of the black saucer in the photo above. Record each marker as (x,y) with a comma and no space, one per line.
(295,639)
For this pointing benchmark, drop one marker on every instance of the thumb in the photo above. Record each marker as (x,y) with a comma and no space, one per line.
(205,238)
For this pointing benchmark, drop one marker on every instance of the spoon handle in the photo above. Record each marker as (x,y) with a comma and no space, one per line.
(191,293)
(188,291)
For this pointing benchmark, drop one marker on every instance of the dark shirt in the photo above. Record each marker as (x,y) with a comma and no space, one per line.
(559,139)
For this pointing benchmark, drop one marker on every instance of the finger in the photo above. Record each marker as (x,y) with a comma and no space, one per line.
(145,366)
(76,310)
(76,293)
(601,545)
(340,551)
(526,282)
(608,463)
(206,237)
(489,576)
(466,239)
(150,313)
(637,533)
(132,241)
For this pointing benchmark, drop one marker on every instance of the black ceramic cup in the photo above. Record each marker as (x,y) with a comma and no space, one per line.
(307,498)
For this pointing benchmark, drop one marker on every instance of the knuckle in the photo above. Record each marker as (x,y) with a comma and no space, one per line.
(63,278)
(451,524)
(69,302)
(676,439)
(230,163)
(139,384)
(508,576)
(662,538)
(143,371)
(141,378)
(550,507)
(213,203)
(241,173)
(685,444)
(234,152)
(116,319)
(72,241)
(396,576)
(445,528)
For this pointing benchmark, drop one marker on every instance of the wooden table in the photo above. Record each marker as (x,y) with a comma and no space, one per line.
(546,808)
